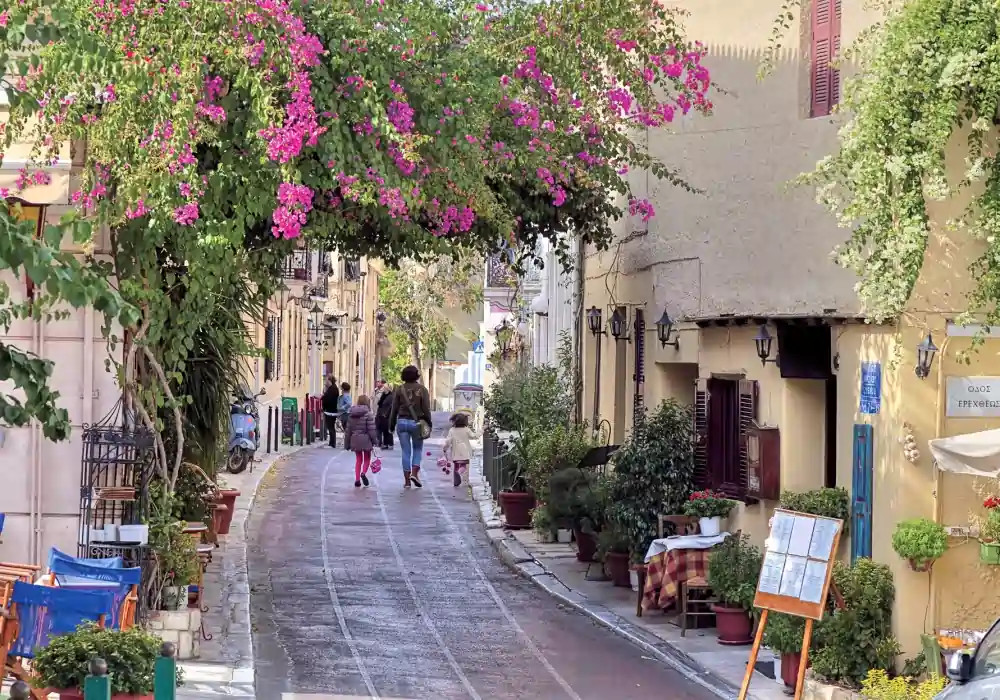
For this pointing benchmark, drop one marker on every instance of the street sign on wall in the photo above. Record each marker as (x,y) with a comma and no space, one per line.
(871,387)
(973,397)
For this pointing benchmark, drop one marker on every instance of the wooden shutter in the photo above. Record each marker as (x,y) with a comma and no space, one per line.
(269,347)
(747,416)
(824,80)
(702,478)
(279,346)
(640,367)
(861,490)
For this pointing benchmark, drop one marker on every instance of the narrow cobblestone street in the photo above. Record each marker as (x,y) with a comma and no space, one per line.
(396,594)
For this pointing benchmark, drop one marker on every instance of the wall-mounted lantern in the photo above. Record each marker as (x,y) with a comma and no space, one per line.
(664,327)
(926,349)
(618,324)
(763,341)
(594,321)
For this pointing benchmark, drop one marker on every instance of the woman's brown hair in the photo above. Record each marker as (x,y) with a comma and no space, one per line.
(364,401)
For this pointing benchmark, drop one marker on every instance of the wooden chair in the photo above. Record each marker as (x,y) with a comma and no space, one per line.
(694,599)
(38,613)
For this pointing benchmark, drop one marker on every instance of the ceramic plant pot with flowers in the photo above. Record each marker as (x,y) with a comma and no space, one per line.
(989,532)
(710,508)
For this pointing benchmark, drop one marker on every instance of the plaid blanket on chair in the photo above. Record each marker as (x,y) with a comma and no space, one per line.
(667,570)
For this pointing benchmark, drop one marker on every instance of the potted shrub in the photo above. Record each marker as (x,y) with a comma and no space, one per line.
(227,497)
(62,665)
(733,570)
(989,532)
(613,546)
(576,499)
(542,523)
(783,636)
(516,502)
(710,508)
(827,502)
(177,563)
(920,541)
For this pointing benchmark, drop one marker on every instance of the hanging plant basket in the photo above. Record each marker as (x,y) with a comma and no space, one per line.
(989,553)
(921,565)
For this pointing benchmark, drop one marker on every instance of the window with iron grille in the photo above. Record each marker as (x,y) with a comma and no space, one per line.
(269,348)
(724,412)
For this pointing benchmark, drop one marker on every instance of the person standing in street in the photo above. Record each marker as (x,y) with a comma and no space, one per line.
(458,446)
(410,419)
(383,410)
(343,408)
(360,437)
(330,403)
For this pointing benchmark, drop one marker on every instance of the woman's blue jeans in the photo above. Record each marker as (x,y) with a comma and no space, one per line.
(410,443)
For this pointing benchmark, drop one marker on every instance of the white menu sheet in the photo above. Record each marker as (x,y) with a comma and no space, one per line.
(791,577)
(802,531)
(781,532)
(770,573)
(813,581)
(822,539)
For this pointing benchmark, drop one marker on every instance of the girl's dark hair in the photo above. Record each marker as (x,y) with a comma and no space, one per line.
(345,387)
(461,420)
(409,374)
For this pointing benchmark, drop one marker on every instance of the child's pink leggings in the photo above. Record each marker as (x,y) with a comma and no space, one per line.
(362,460)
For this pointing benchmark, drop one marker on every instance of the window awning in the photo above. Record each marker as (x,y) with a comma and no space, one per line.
(974,454)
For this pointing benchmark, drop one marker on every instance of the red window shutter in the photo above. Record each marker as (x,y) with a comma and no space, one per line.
(824,80)
(702,478)
(748,414)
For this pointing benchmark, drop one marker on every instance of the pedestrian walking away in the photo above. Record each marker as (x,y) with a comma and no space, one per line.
(330,402)
(411,421)
(458,446)
(360,437)
(343,407)
(383,411)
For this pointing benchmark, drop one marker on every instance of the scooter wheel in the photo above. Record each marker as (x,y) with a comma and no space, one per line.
(237,462)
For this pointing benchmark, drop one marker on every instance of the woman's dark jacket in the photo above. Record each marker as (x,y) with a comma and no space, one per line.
(416,398)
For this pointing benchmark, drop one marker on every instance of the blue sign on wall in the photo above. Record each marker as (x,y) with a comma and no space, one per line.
(478,347)
(871,387)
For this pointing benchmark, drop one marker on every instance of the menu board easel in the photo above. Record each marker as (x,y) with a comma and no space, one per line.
(795,578)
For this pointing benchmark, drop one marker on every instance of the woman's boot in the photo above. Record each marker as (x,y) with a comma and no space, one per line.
(406,484)
(415,477)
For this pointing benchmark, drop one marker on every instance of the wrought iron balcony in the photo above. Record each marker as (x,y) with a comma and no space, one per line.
(298,265)
(500,273)
(321,290)
(352,270)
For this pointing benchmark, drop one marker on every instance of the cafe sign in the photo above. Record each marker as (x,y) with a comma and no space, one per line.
(973,397)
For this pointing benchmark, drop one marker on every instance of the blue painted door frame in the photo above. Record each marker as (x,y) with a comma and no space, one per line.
(861,491)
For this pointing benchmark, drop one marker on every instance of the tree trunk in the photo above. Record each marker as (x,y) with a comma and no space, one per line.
(430,380)
(415,350)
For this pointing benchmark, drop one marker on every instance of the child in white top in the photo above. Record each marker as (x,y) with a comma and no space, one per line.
(458,445)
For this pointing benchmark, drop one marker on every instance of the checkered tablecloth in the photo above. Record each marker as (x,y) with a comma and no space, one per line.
(667,570)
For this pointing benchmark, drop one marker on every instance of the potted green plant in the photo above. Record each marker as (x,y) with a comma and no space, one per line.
(62,665)
(226,497)
(576,500)
(613,547)
(920,541)
(177,562)
(516,501)
(710,508)
(783,636)
(543,524)
(733,570)
(989,532)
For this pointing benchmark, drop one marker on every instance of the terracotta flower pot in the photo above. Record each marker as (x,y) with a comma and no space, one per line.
(77,694)
(616,564)
(586,545)
(790,668)
(517,509)
(734,626)
(227,497)
(218,517)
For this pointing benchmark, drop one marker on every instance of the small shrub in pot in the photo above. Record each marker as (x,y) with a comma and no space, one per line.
(920,541)
(733,570)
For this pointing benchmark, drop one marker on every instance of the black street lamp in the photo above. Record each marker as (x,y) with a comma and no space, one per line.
(663,329)
(618,321)
(505,334)
(357,322)
(594,320)
(763,342)
(926,350)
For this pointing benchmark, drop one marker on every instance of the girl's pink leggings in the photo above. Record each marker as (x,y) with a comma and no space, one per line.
(362,460)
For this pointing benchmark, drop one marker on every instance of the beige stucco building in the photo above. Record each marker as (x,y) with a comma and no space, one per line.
(752,251)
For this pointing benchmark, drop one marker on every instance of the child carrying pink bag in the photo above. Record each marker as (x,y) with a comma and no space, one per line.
(458,446)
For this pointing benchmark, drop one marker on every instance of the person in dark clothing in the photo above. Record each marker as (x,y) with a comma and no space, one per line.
(331,397)
(411,407)
(382,413)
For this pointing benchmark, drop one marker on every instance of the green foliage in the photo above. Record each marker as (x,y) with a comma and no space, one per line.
(542,521)
(612,539)
(415,297)
(733,570)
(878,685)
(528,397)
(919,540)
(989,528)
(130,655)
(547,452)
(652,475)
(176,553)
(851,642)
(783,633)
(578,498)
(827,502)
(706,504)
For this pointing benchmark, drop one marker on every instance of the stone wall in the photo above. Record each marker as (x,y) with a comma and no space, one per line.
(182,627)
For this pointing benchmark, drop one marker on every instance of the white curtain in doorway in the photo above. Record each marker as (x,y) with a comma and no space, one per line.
(975,454)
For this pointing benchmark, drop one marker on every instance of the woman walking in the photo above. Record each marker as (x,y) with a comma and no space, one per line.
(331,408)
(360,437)
(411,420)
(383,410)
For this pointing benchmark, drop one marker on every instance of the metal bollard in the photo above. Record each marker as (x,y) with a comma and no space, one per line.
(270,415)
(165,674)
(97,684)
(20,691)
(302,426)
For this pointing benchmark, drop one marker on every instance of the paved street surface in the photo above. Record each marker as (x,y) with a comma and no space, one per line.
(397,594)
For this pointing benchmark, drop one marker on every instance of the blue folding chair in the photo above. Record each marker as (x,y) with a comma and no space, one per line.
(39,613)
(81,575)
(108,562)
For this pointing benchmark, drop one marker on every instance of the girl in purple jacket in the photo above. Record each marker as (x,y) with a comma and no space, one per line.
(361,437)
